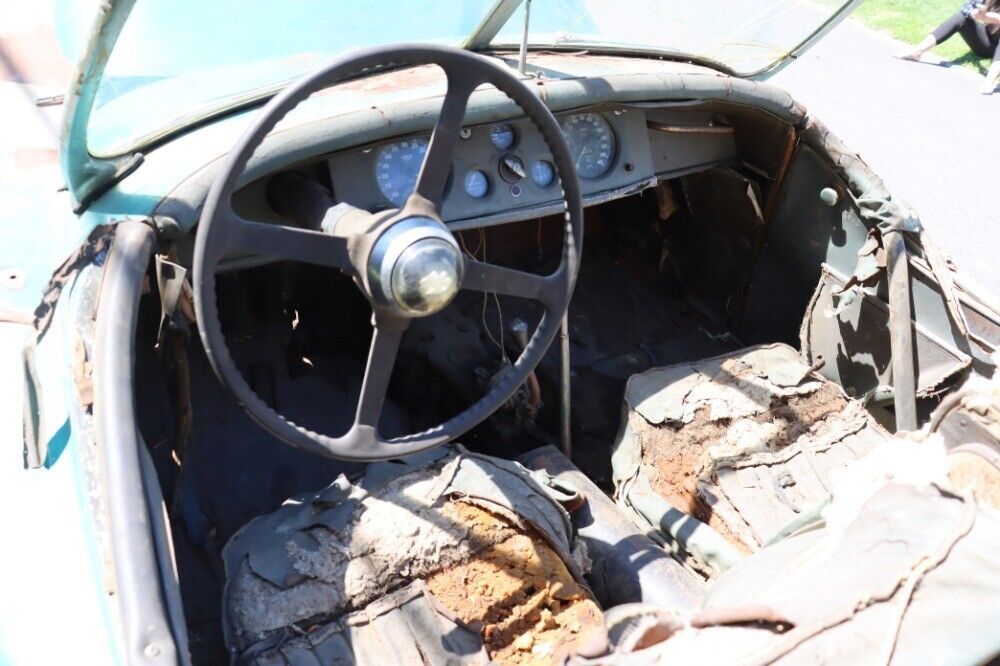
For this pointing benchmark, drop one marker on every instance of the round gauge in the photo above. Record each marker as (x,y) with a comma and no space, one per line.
(476,184)
(542,173)
(591,143)
(397,166)
(502,136)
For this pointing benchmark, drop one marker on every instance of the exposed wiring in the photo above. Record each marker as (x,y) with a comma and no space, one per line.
(500,344)
(473,253)
(486,296)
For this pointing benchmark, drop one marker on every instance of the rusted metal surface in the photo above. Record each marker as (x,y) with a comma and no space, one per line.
(93,251)
(689,129)
(791,140)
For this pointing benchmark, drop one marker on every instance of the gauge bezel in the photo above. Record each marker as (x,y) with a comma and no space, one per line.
(486,178)
(612,158)
(552,173)
(513,134)
(383,150)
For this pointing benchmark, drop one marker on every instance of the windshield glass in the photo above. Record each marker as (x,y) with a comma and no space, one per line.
(177,60)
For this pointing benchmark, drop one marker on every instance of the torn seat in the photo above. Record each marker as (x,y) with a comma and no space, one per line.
(900,569)
(450,557)
(722,456)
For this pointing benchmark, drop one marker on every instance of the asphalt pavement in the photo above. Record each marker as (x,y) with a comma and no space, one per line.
(922,127)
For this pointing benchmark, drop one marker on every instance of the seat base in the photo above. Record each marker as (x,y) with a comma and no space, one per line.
(725,455)
(459,559)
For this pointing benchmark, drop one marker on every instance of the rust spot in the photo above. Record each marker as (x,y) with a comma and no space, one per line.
(410,77)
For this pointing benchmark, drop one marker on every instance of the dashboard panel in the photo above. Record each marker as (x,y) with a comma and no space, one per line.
(500,169)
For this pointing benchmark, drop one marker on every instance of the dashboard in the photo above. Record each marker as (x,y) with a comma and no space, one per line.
(502,171)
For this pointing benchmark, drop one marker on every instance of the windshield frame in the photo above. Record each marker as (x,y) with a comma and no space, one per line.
(88,174)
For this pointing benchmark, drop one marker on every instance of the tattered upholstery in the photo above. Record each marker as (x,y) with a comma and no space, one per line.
(721,456)
(900,568)
(461,559)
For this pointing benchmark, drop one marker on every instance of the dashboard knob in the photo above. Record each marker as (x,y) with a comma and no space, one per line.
(512,168)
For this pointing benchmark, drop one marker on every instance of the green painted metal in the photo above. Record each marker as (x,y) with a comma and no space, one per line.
(87,177)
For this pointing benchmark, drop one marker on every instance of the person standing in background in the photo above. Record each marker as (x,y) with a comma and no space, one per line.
(978,22)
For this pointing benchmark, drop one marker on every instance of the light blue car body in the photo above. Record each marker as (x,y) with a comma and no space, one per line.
(58,597)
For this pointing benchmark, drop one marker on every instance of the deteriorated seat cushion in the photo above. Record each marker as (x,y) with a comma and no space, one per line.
(724,455)
(460,558)
(901,569)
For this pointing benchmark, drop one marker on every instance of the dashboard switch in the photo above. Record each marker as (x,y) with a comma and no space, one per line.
(512,168)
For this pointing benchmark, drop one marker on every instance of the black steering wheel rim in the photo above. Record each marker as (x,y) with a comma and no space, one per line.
(220,230)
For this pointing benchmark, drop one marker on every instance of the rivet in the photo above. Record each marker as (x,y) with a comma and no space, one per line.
(152,651)
(829,196)
(465,132)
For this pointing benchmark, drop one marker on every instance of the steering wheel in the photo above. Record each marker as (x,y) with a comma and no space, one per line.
(406,261)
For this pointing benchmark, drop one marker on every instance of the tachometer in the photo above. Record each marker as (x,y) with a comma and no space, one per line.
(397,167)
(591,143)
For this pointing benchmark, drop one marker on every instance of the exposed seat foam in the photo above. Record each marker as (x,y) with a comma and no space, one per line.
(460,559)
(721,456)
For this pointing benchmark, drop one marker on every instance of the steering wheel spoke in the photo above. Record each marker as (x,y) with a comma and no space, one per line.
(386,338)
(276,242)
(437,162)
(482,276)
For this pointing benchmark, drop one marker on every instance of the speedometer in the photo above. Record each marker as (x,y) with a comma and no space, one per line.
(591,143)
(397,167)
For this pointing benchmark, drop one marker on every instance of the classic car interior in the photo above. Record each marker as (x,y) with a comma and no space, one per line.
(707,226)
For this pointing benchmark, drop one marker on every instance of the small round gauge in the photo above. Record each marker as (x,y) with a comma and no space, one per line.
(591,143)
(542,173)
(397,166)
(502,136)
(476,184)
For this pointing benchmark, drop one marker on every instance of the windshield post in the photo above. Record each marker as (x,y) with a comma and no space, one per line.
(494,21)
(86,176)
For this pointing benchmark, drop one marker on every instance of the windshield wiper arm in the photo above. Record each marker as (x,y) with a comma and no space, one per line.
(492,23)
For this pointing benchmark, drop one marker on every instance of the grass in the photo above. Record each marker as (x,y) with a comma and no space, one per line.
(911,20)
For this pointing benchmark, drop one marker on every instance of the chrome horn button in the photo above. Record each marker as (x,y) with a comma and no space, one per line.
(415,267)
